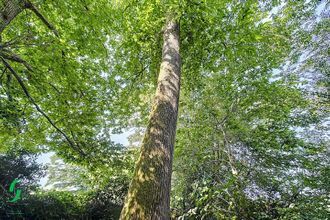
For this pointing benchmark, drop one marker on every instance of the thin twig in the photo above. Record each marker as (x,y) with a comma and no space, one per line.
(3,73)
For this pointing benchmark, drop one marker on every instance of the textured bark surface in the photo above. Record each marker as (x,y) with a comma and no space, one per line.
(149,193)
(9,9)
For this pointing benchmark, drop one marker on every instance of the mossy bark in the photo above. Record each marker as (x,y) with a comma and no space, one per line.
(149,192)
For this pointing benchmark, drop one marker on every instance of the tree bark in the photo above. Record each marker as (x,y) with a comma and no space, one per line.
(9,10)
(149,192)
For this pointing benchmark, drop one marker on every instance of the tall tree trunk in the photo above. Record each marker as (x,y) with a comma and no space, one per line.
(149,192)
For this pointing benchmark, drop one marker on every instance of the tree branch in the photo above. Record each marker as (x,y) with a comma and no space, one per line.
(31,6)
(20,81)
(16,58)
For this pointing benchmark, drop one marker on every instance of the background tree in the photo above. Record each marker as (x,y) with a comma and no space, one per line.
(266,178)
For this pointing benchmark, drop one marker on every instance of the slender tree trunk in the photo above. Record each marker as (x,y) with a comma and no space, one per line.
(149,192)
